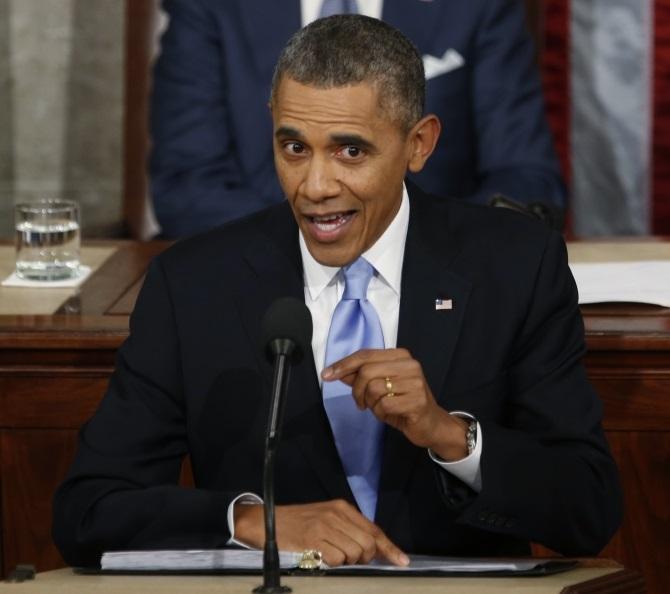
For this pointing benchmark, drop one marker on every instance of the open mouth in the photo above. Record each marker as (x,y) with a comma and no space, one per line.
(330,223)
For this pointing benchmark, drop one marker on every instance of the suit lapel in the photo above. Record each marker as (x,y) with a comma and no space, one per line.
(429,334)
(276,271)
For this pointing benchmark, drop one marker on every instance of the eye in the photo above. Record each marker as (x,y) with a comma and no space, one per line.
(294,148)
(351,151)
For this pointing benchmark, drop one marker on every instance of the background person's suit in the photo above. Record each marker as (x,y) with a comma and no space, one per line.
(212,154)
(191,378)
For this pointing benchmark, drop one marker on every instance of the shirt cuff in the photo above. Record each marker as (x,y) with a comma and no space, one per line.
(245,499)
(467,469)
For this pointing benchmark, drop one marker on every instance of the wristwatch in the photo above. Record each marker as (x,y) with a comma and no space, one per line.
(471,436)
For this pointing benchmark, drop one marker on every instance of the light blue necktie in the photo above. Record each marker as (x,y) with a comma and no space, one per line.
(355,325)
(331,7)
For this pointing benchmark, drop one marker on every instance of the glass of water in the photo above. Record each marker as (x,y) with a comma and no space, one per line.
(47,240)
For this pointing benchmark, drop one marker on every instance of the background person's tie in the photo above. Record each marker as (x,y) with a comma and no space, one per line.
(355,325)
(331,7)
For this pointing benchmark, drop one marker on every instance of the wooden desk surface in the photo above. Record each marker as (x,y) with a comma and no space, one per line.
(624,326)
(43,300)
(93,316)
(620,250)
(105,300)
(63,581)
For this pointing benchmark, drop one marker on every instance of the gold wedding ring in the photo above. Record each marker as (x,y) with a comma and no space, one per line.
(389,387)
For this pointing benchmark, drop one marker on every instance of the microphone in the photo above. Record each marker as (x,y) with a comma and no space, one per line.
(286,334)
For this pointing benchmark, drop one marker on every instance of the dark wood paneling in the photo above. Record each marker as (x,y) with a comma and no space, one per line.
(51,399)
(34,463)
(643,458)
(643,541)
(26,358)
(634,402)
(53,373)
(140,19)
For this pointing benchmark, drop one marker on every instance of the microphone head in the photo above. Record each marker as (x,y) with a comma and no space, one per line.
(286,329)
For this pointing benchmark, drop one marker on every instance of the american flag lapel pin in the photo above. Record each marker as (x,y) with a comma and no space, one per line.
(443,304)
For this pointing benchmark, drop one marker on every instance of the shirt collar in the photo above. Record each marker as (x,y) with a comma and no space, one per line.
(311,9)
(386,255)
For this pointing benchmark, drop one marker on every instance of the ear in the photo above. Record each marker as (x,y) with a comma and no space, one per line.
(422,139)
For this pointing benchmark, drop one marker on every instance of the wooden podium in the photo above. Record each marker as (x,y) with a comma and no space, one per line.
(599,577)
(57,349)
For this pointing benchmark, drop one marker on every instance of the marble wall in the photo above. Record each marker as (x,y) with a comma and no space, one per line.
(61,107)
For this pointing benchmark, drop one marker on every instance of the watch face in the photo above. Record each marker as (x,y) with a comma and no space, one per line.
(471,436)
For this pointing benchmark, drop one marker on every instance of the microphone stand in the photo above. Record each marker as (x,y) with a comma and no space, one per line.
(282,349)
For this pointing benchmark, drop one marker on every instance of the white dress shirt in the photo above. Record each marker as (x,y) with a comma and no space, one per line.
(324,285)
(310,9)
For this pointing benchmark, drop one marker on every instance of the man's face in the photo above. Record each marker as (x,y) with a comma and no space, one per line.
(341,162)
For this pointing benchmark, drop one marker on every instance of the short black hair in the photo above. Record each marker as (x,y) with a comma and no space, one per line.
(349,49)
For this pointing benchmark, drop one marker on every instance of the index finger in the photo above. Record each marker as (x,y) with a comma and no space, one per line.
(352,363)
(386,549)
(389,551)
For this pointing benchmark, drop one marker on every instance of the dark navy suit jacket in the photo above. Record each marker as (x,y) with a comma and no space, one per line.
(212,151)
(191,378)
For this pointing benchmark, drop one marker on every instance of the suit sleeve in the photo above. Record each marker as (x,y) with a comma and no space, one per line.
(196,177)
(121,491)
(547,473)
(514,145)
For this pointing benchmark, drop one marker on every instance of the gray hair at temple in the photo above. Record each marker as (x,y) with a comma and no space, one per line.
(349,49)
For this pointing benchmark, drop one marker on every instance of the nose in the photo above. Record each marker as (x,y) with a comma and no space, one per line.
(320,181)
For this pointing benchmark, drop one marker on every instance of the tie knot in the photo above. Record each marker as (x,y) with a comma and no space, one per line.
(357,277)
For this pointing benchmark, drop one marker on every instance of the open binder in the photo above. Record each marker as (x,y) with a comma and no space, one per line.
(241,562)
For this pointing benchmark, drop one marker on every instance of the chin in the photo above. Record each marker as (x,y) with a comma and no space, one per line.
(333,257)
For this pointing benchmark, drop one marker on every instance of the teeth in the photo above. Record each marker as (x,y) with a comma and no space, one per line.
(329,223)
(327,218)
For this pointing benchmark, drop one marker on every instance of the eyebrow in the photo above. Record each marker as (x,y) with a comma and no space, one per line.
(354,139)
(340,139)
(288,132)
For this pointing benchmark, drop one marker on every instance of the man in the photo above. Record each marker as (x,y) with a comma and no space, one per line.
(212,161)
(446,335)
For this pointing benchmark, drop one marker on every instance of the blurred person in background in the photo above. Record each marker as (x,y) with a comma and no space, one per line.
(211,127)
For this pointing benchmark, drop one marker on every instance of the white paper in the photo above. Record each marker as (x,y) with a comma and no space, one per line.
(216,559)
(193,560)
(449,564)
(15,281)
(634,282)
